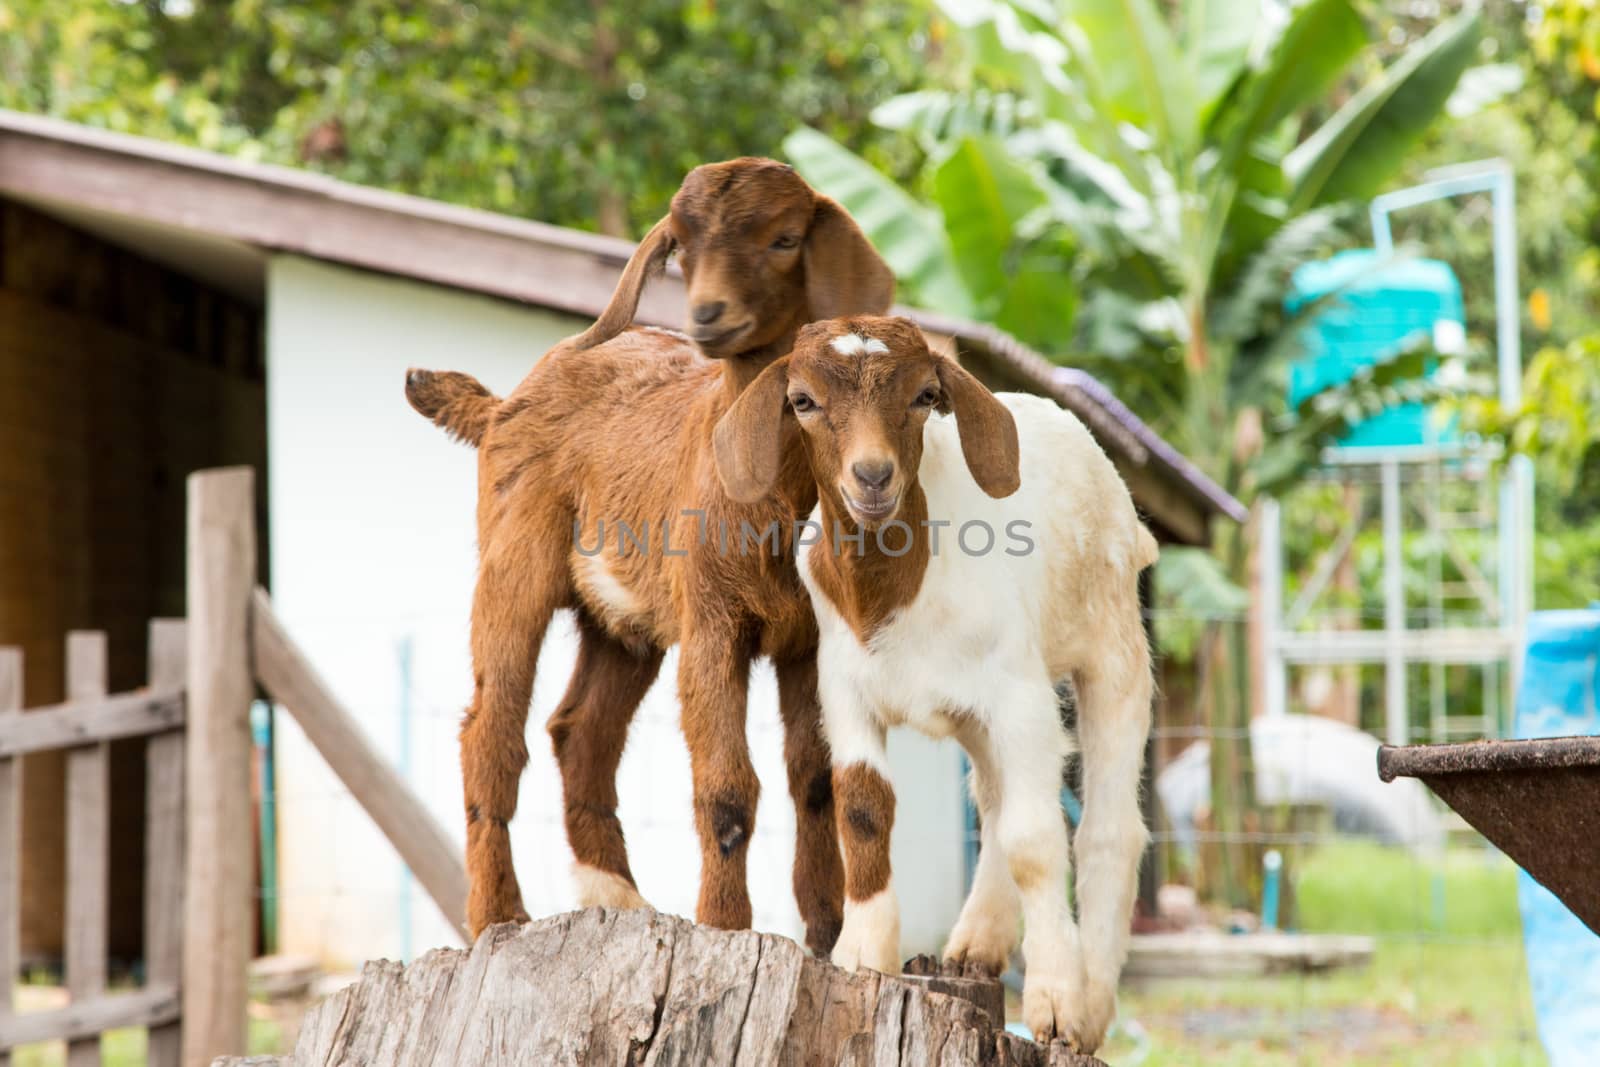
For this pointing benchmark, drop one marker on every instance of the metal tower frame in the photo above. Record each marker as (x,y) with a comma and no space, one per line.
(1496,644)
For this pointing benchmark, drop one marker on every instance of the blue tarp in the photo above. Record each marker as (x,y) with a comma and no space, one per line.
(1558,697)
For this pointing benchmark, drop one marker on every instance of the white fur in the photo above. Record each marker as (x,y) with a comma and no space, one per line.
(604,889)
(614,598)
(870,936)
(977,654)
(853,344)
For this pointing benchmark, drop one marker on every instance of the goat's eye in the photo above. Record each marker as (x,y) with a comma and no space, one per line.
(928,397)
(802,403)
(785,242)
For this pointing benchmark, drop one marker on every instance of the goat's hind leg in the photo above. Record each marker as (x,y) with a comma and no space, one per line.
(521,583)
(588,733)
(818,871)
(1033,834)
(1113,723)
(990,920)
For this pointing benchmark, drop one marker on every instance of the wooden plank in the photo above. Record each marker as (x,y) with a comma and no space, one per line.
(86,722)
(85,1020)
(163,836)
(10,844)
(88,844)
(219,889)
(411,828)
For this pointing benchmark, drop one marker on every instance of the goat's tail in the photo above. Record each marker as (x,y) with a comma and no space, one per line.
(1146,549)
(457,403)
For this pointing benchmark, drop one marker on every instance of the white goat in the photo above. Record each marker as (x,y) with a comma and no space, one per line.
(951,600)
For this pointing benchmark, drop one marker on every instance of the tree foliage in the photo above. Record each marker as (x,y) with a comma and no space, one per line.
(1165,167)
(575,113)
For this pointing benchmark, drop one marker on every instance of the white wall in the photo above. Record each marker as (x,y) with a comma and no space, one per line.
(373,551)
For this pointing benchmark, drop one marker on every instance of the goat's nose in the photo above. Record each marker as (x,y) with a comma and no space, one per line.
(874,475)
(705,314)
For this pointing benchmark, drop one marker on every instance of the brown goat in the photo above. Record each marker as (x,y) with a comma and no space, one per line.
(612,430)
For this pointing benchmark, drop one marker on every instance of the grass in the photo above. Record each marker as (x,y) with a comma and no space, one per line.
(1448,985)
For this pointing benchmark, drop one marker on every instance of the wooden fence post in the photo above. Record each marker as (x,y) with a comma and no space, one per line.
(88,843)
(10,841)
(219,898)
(163,837)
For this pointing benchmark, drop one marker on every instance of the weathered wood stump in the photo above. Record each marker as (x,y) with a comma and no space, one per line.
(602,987)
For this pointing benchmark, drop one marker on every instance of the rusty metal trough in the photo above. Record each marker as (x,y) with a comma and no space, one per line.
(1538,801)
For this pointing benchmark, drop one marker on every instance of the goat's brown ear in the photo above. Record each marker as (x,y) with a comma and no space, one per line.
(844,274)
(649,259)
(988,432)
(749,437)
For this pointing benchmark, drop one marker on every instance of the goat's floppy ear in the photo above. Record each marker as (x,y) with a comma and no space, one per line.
(988,432)
(844,274)
(649,259)
(749,437)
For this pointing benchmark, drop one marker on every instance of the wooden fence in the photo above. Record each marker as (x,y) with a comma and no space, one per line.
(199,863)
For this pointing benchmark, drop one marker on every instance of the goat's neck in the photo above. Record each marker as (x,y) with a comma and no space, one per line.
(740,370)
(866,584)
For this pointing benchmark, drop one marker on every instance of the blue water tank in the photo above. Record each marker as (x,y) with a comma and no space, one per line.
(1380,307)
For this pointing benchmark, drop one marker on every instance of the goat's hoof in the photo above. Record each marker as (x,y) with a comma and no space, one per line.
(965,963)
(605,889)
(1053,1008)
(859,948)
(980,949)
(822,935)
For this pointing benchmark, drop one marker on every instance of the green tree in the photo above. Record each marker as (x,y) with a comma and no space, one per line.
(1173,163)
(576,113)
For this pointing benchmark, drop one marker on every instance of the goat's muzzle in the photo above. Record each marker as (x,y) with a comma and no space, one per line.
(716,340)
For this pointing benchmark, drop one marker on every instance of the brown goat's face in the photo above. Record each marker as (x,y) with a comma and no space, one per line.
(861,390)
(740,228)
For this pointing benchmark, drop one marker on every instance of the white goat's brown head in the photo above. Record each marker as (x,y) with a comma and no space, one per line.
(762,253)
(861,390)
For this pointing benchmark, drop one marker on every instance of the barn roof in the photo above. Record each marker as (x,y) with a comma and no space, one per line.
(221,219)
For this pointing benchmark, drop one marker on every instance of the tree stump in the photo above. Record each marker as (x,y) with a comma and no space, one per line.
(642,989)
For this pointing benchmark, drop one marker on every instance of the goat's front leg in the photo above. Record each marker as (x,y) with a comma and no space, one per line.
(863,803)
(1032,747)
(1113,722)
(713,682)
(818,873)
(990,919)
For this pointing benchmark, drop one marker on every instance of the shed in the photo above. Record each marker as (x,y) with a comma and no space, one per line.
(164,309)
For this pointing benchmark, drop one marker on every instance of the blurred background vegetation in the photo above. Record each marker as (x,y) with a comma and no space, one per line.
(986,147)
(1126,186)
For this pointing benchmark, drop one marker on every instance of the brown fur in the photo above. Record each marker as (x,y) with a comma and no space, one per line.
(615,426)
(864,801)
(456,403)
(867,411)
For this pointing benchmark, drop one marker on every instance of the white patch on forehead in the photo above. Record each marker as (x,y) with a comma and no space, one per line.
(853,344)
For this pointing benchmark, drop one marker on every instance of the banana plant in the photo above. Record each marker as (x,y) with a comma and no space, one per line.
(1158,167)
